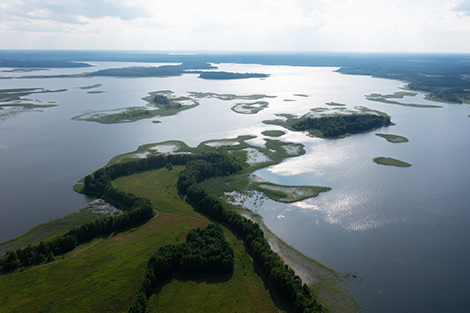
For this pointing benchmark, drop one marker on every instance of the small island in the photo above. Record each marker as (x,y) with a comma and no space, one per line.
(391,162)
(288,194)
(273,133)
(250,108)
(393,138)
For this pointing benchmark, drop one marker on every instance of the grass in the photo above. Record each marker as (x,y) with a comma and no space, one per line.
(393,138)
(159,187)
(391,162)
(50,229)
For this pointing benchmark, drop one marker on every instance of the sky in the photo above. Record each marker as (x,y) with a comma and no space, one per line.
(242,25)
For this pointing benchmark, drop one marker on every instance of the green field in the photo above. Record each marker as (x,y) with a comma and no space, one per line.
(105,275)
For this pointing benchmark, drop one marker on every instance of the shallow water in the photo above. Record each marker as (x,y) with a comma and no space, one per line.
(402,230)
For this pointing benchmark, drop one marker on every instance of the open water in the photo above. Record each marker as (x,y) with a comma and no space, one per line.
(404,231)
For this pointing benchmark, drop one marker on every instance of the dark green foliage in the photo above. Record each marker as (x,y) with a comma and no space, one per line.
(160,99)
(205,251)
(337,125)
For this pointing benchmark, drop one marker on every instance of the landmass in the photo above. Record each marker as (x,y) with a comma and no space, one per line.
(230,75)
(391,162)
(393,138)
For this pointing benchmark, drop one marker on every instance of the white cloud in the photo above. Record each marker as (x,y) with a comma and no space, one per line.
(281,25)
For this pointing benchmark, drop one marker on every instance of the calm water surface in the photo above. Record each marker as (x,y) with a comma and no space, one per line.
(402,230)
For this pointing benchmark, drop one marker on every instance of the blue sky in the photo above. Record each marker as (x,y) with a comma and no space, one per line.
(243,25)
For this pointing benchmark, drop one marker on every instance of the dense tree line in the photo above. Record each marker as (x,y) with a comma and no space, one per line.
(205,251)
(337,125)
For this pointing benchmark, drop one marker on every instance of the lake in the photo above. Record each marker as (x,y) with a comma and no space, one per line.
(404,231)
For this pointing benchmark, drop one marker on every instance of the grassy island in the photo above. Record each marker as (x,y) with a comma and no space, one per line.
(289,194)
(160,103)
(391,162)
(393,138)
(250,108)
(273,133)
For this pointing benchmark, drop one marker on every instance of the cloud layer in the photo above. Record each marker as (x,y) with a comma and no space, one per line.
(255,25)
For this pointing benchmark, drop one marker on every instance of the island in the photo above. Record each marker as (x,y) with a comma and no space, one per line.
(391,162)
(336,123)
(393,138)
(159,103)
